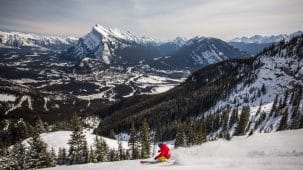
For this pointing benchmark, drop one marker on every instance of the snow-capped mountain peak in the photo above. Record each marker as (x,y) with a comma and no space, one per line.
(259,39)
(102,43)
(18,39)
(115,33)
(180,41)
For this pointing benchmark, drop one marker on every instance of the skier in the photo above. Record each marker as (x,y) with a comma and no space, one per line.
(164,154)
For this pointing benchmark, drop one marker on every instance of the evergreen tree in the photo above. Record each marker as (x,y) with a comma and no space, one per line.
(78,151)
(145,140)
(228,136)
(62,158)
(263,89)
(274,106)
(234,117)
(53,157)
(6,161)
(244,118)
(121,151)
(190,133)
(127,155)
(301,122)
(92,155)
(101,150)
(19,155)
(180,138)
(283,121)
(158,133)
(113,155)
(39,125)
(133,142)
(38,156)
(285,99)
(225,123)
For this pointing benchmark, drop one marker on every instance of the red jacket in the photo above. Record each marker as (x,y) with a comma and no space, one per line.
(164,151)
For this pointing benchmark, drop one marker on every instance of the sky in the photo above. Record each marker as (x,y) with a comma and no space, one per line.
(160,19)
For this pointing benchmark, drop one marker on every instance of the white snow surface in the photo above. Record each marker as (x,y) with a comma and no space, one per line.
(262,151)
(7,98)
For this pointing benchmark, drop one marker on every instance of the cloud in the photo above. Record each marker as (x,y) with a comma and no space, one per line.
(157,18)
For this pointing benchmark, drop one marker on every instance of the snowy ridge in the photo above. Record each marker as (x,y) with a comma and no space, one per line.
(278,73)
(115,33)
(266,39)
(210,50)
(18,39)
(179,41)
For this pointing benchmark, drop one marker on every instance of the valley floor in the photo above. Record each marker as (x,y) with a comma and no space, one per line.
(275,151)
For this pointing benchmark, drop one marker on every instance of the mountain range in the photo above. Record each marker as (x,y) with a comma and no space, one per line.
(270,85)
(116,47)
(123,77)
(18,39)
(256,43)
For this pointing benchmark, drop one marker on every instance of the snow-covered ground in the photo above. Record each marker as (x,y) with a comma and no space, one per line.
(60,139)
(276,151)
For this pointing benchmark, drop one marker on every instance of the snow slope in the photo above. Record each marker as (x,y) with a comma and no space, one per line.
(278,73)
(279,150)
(59,139)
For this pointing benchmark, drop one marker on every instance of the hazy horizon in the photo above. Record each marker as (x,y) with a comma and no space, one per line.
(161,20)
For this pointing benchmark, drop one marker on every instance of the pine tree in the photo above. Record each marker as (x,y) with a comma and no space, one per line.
(225,123)
(301,122)
(180,138)
(158,133)
(133,142)
(263,89)
(39,125)
(190,133)
(283,121)
(121,151)
(78,151)
(19,155)
(145,140)
(113,155)
(101,150)
(62,158)
(228,136)
(53,157)
(285,99)
(274,106)
(92,155)
(233,118)
(6,161)
(244,118)
(127,155)
(38,155)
